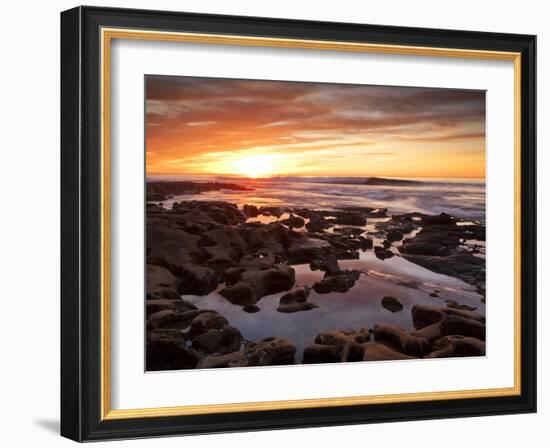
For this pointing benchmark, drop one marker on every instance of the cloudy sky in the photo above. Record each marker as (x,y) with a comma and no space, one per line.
(245,127)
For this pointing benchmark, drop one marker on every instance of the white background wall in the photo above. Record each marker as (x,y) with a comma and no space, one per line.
(29,224)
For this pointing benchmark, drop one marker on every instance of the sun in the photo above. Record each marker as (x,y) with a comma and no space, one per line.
(260,165)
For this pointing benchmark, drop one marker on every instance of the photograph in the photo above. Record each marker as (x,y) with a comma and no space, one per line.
(297,223)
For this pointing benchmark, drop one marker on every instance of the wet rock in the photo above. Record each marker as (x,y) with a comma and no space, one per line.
(272,211)
(232,275)
(169,318)
(269,352)
(298,295)
(224,247)
(452,346)
(235,359)
(342,281)
(160,190)
(154,305)
(328,264)
(350,219)
(317,224)
(207,320)
(255,284)
(424,315)
(454,304)
(394,235)
(306,249)
(341,337)
(293,221)
(251,309)
(382,253)
(295,301)
(374,351)
(250,211)
(196,280)
(431,333)
(274,236)
(369,212)
(171,247)
(296,307)
(218,212)
(167,350)
(262,259)
(218,341)
(441,219)
(458,325)
(160,283)
(391,304)
(398,339)
(318,353)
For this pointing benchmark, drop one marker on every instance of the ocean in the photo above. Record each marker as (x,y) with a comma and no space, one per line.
(464,198)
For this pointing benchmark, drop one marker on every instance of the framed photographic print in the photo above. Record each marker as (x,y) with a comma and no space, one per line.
(276,224)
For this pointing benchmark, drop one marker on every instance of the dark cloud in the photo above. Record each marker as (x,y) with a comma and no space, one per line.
(196,115)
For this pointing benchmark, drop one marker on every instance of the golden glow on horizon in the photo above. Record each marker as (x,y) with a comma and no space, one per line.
(252,166)
(265,128)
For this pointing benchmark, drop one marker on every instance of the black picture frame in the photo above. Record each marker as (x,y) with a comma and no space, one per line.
(81,224)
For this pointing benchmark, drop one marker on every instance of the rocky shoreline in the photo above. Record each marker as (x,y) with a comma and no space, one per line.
(198,247)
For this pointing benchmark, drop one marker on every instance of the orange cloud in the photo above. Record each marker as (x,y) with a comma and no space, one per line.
(205,125)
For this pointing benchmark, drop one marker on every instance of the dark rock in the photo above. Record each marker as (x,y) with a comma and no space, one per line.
(293,221)
(329,264)
(350,219)
(197,280)
(451,346)
(305,249)
(272,211)
(262,259)
(382,253)
(220,341)
(218,212)
(295,301)
(441,219)
(270,351)
(208,320)
(394,235)
(454,304)
(251,309)
(232,275)
(342,281)
(317,224)
(255,284)
(398,339)
(318,353)
(235,359)
(160,190)
(424,315)
(251,211)
(166,350)
(431,333)
(457,325)
(298,295)
(374,351)
(392,304)
(274,236)
(296,307)
(154,305)
(160,283)
(168,318)
(341,337)
(170,247)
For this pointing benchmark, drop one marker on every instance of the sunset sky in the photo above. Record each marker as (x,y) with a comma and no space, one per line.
(270,128)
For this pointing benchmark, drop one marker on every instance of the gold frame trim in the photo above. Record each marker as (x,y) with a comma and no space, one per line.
(107,35)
